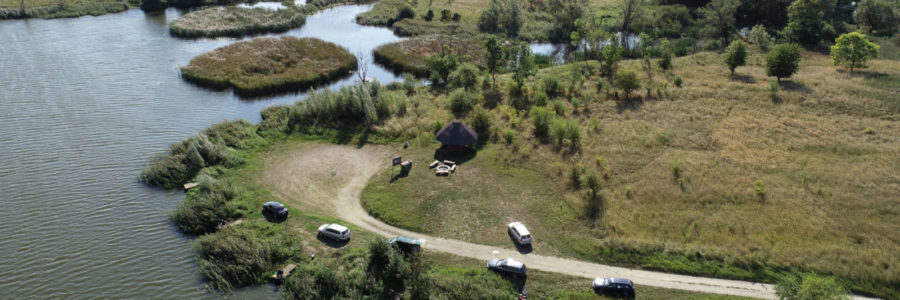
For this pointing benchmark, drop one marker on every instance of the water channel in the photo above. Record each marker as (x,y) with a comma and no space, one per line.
(84,103)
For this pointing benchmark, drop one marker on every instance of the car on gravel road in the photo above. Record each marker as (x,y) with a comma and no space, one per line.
(335,232)
(275,208)
(613,286)
(519,233)
(405,244)
(507,266)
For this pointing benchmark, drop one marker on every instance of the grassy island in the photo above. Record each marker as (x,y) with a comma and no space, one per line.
(235,22)
(16,9)
(270,65)
(410,55)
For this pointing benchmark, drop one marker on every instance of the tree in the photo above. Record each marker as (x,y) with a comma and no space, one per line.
(877,15)
(441,65)
(630,11)
(493,56)
(501,16)
(854,50)
(151,5)
(783,61)
(665,55)
(717,19)
(523,64)
(760,37)
(565,13)
(612,54)
(736,55)
(806,21)
(627,82)
(541,117)
(466,76)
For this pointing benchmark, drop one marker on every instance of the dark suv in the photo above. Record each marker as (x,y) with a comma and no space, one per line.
(615,287)
(406,244)
(276,209)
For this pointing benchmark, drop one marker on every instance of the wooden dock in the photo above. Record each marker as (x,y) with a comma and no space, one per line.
(283,273)
(190,185)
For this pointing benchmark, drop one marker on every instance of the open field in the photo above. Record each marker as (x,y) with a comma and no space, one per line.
(12,9)
(409,56)
(270,65)
(761,186)
(234,22)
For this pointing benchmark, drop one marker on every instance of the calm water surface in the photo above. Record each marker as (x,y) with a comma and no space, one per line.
(83,104)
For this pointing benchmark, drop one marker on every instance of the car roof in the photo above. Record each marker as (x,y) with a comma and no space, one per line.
(337,227)
(271,203)
(514,263)
(407,240)
(520,228)
(620,280)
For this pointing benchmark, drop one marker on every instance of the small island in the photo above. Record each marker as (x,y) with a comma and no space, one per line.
(235,21)
(410,55)
(270,65)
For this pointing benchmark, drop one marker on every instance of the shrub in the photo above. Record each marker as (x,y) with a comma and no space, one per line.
(575,172)
(445,15)
(466,76)
(428,16)
(441,65)
(456,17)
(559,107)
(854,50)
(501,16)
(627,82)
(207,205)
(736,55)
(480,120)
(869,130)
(405,12)
(508,135)
(683,47)
(760,37)
(783,61)
(563,129)
(665,55)
(384,105)
(759,187)
(677,167)
(541,118)
(809,287)
(244,255)
(460,102)
(436,126)
(552,86)
(540,98)
(773,90)
(678,81)
(351,106)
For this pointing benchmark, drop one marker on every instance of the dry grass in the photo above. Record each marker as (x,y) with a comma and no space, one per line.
(270,65)
(234,22)
(409,56)
(828,200)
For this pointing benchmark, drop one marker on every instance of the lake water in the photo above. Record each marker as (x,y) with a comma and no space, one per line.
(84,103)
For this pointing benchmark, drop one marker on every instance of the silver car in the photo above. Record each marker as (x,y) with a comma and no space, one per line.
(520,233)
(508,266)
(335,231)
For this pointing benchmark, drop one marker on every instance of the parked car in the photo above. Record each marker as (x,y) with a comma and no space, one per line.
(616,287)
(276,209)
(520,233)
(406,244)
(335,231)
(508,266)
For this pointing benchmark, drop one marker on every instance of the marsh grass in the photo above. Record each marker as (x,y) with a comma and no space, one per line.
(234,22)
(270,65)
(10,9)
(409,56)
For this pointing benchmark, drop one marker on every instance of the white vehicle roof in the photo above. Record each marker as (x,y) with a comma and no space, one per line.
(598,281)
(520,228)
(514,263)
(337,227)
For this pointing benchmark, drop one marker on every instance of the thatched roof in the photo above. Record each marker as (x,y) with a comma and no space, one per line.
(456,134)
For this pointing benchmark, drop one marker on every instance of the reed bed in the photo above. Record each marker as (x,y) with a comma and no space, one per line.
(268,65)
(408,56)
(235,22)
(11,9)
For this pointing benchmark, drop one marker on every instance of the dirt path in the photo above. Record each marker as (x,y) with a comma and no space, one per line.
(350,170)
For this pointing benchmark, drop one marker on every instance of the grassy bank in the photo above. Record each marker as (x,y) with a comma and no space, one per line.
(409,56)
(270,65)
(12,9)
(234,22)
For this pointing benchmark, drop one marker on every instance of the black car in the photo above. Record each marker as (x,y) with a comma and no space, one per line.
(616,287)
(276,209)
(405,244)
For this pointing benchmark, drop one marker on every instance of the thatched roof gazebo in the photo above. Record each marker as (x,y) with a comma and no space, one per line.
(456,136)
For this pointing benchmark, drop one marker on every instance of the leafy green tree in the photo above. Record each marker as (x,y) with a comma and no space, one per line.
(877,15)
(612,54)
(565,13)
(501,16)
(760,37)
(480,120)
(665,55)
(783,61)
(630,11)
(736,55)
(493,56)
(523,64)
(628,82)
(806,23)
(441,65)
(854,50)
(460,102)
(717,19)
(466,76)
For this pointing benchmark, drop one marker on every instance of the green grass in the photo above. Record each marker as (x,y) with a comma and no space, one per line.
(409,56)
(270,65)
(234,22)
(11,9)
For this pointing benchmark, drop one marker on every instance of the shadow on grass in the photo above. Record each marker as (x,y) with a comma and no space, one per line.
(742,78)
(630,104)
(442,154)
(868,74)
(795,87)
(402,174)
(332,242)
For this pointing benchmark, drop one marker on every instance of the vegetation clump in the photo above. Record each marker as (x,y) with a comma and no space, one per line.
(411,55)
(21,9)
(245,255)
(270,65)
(235,22)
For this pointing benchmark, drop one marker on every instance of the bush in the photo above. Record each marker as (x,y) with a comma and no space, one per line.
(683,47)
(207,205)
(501,16)
(783,61)
(854,50)
(480,120)
(441,65)
(552,86)
(541,118)
(627,82)
(563,129)
(244,255)
(760,37)
(508,135)
(559,107)
(405,12)
(436,126)
(466,76)
(540,98)
(350,107)
(460,102)
(736,55)
(678,81)
(809,287)
(428,16)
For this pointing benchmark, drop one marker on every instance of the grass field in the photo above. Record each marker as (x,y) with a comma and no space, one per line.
(409,56)
(12,9)
(234,22)
(806,180)
(270,65)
